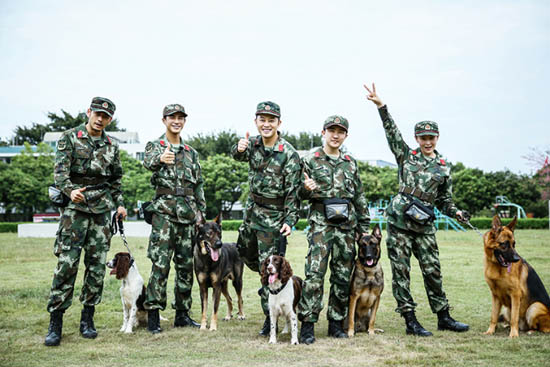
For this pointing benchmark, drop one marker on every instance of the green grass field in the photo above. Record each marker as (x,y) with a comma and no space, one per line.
(26,269)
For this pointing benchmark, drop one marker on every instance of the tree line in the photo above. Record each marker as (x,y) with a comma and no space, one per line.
(24,182)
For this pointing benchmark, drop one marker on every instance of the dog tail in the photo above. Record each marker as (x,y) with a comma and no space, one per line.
(538,317)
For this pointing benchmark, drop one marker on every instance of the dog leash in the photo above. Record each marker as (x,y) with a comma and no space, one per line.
(118,226)
(474,228)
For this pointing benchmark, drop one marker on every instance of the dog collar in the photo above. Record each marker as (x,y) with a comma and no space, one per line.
(276,291)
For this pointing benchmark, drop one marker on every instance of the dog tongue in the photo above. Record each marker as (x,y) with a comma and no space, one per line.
(272,278)
(370,262)
(509,267)
(214,254)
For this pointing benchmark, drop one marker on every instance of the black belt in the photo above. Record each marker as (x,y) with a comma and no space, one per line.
(179,191)
(261,200)
(416,192)
(86,181)
(317,204)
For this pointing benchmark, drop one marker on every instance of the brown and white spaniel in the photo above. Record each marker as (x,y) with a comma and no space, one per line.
(285,291)
(132,290)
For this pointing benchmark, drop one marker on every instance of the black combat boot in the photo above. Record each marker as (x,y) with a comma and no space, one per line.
(446,322)
(87,328)
(335,329)
(182,320)
(153,321)
(307,333)
(413,326)
(54,330)
(266,330)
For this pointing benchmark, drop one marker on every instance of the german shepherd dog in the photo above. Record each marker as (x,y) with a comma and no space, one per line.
(367,284)
(215,263)
(515,286)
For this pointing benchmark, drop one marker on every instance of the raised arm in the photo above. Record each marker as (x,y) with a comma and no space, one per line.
(241,150)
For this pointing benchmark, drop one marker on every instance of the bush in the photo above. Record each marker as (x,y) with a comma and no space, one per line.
(9,227)
(526,223)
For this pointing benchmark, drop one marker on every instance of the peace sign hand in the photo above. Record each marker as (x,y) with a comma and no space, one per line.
(372,96)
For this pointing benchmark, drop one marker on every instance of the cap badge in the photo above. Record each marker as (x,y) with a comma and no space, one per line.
(177,107)
(105,105)
(267,108)
(428,127)
(337,120)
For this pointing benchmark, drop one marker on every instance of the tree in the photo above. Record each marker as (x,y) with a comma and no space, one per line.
(304,140)
(136,182)
(35,134)
(472,191)
(224,182)
(211,144)
(378,182)
(24,183)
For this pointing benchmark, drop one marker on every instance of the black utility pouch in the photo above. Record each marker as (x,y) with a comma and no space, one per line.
(147,215)
(420,213)
(336,210)
(58,198)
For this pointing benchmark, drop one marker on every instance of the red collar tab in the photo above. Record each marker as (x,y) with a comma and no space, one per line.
(108,139)
(281,147)
(347,157)
(186,147)
(317,154)
(442,161)
(257,141)
(79,134)
(414,152)
(162,142)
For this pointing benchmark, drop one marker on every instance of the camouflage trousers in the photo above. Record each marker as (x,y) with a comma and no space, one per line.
(400,244)
(325,241)
(254,247)
(170,239)
(78,230)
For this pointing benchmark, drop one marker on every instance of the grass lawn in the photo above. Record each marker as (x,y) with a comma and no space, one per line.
(26,269)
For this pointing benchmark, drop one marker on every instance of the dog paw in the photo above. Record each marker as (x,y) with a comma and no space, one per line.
(272,341)
(241,317)
(489,332)
(294,342)
(122,329)
(213,328)
(351,334)
(128,332)
(228,318)
(203,327)
(513,335)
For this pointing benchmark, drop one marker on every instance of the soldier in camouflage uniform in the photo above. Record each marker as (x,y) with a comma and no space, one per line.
(425,178)
(88,171)
(330,174)
(179,200)
(272,205)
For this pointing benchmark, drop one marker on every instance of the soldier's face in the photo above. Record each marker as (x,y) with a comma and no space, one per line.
(427,144)
(267,125)
(174,123)
(334,136)
(97,121)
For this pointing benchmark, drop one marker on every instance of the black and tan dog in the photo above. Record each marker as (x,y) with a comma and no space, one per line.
(215,264)
(367,284)
(515,286)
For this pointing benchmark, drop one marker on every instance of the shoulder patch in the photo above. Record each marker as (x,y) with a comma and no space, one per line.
(317,154)
(442,161)
(414,152)
(186,147)
(347,157)
(79,134)
(281,147)
(162,143)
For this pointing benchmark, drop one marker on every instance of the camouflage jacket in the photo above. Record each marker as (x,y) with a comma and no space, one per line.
(184,174)
(273,173)
(431,175)
(80,158)
(336,178)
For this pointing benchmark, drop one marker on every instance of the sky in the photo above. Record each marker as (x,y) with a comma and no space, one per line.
(478,68)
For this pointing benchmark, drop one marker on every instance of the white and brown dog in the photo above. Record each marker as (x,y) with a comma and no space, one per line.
(132,290)
(285,291)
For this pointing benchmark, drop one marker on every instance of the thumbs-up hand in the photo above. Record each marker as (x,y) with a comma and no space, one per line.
(309,184)
(243,143)
(168,157)
(77,195)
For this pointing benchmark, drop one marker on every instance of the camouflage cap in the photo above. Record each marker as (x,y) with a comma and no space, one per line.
(336,120)
(268,108)
(426,128)
(172,109)
(103,105)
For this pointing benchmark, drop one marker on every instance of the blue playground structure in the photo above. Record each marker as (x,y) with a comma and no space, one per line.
(502,204)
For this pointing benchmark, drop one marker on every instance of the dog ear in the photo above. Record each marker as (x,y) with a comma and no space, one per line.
(218,219)
(496,225)
(512,225)
(264,273)
(376,232)
(286,271)
(122,265)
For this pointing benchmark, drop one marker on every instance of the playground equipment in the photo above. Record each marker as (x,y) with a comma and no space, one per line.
(502,203)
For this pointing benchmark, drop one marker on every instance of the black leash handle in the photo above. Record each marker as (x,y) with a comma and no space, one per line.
(118,226)
(283,242)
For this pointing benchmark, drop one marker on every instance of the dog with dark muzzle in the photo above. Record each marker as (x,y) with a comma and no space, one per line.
(367,284)
(518,295)
(215,264)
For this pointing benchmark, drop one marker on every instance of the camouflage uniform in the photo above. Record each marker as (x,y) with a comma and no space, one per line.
(432,177)
(335,178)
(173,231)
(274,179)
(82,161)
